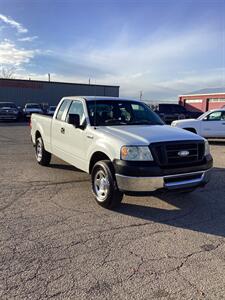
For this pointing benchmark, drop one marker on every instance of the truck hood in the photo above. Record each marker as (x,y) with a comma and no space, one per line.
(145,134)
(33,110)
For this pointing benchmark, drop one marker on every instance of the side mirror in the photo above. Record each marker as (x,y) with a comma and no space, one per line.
(74,119)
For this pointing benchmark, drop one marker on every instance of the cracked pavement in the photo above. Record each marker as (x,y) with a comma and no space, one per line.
(57,243)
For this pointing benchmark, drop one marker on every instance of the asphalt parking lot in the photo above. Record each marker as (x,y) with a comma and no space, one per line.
(57,243)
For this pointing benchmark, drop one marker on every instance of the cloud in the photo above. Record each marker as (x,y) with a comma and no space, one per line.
(28,39)
(11,55)
(8,20)
(162,66)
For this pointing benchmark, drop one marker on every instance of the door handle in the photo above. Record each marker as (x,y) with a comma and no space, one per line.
(62,130)
(223,123)
(89,136)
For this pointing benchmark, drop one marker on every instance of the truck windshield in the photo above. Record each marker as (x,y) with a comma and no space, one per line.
(115,112)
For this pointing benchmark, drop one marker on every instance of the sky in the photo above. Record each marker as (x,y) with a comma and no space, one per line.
(163,48)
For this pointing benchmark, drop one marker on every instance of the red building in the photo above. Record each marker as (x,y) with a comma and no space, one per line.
(203,100)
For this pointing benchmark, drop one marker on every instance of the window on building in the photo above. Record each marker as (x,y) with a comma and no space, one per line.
(193,100)
(216,99)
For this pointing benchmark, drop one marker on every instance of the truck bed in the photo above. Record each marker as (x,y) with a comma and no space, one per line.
(42,124)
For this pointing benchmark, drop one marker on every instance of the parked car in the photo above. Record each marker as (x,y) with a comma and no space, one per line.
(170,112)
(123,145)
(31,108)
(9,111)
(210,124)
(51,110)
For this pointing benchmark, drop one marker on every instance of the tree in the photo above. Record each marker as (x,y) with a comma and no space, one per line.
(7,72)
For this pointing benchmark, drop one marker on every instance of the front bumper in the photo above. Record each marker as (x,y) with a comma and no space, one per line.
(170,182)
(148,176)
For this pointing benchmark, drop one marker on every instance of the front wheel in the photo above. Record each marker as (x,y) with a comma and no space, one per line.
(104,185)
(43,157)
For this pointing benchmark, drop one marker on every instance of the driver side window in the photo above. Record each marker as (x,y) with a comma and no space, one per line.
(214,116)
(76,108)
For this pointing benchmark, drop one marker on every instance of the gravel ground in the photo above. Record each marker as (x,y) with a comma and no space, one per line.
(57,243)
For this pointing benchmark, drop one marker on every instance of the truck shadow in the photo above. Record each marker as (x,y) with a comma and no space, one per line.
(64,166)
(202,210)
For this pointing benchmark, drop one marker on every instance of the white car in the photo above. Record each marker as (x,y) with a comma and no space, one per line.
(209,125)
(123,145)
(31,108)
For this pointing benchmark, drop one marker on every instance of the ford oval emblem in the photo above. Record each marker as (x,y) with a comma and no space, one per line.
(183,153)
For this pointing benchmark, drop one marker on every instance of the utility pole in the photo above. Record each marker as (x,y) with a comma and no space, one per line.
(140,95)
(49,77)
(89,81)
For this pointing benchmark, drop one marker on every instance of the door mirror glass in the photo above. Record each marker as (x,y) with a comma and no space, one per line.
(74,119)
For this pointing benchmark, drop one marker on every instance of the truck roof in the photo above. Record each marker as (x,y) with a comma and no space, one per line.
(99,98)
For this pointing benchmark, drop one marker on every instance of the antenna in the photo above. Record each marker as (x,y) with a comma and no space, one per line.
(95,114)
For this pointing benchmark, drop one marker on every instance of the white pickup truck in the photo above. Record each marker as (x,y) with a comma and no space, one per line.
(209,125)
(123,145)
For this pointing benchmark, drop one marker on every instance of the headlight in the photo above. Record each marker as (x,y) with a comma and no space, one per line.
(135,153)
(207,148)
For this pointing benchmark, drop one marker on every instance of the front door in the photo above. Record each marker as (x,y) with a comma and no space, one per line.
(213,125)
(75,138)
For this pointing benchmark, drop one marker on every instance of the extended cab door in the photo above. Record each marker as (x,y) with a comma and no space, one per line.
(213,125)
(74,139)
(58,130)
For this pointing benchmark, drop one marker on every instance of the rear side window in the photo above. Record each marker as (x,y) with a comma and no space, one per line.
(63,108)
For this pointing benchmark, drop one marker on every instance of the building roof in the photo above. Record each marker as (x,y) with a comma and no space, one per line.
(53,82)
(207,91)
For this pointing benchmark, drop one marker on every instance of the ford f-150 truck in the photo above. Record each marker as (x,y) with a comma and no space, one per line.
(123,144)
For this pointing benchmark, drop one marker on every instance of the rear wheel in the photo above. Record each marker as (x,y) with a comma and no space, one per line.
(104,185)
(43,157)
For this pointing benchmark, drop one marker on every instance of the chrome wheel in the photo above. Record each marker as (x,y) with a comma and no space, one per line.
(101,185)
(39,150)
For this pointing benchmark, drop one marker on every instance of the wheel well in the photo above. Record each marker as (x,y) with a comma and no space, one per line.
(97,156)
(191,130)
(37,135)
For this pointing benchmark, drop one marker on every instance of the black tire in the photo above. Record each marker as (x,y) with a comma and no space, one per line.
(43,157)
(104,185)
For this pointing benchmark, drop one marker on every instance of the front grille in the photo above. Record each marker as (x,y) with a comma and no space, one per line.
(166,154)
